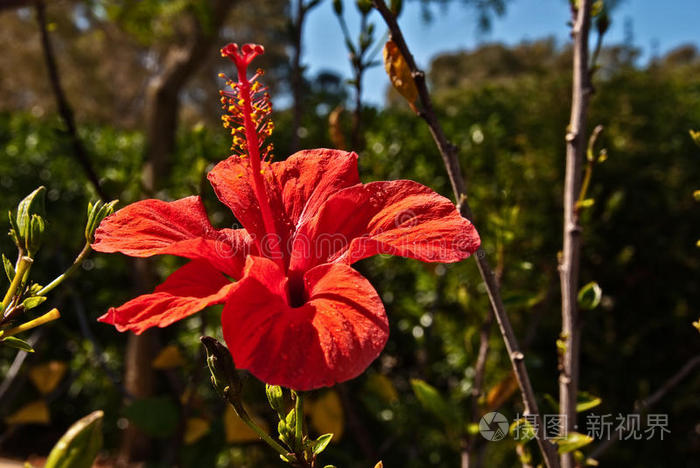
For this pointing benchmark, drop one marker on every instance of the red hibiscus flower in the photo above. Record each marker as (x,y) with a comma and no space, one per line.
(297,314)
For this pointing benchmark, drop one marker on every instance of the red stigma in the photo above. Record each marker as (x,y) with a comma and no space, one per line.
(242,56)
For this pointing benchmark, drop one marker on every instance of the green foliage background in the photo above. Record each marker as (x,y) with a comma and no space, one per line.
(509,121)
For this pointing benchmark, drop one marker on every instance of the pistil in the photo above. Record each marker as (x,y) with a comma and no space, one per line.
(271,246)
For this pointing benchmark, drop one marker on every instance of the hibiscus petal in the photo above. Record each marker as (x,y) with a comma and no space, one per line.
(295,187)
(332,337)
(188,290)
(155,227)
(399,217)
(308,178)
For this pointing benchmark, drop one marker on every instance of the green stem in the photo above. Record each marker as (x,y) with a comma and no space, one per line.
(23,267)
(76,263)
(299,421)
(586,182)
(258,430)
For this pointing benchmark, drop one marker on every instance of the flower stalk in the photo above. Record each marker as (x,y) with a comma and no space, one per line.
(50,316)
(60,279)
(23,267)
(227,383)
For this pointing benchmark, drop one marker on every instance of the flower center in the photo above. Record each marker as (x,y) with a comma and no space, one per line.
(296,291)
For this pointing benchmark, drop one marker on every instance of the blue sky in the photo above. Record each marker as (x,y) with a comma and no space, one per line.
(656,25)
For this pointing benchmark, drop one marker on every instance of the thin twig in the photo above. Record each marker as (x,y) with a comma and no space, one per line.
(449,156)
(13,372)
(64,108)
(646,404)
(570,258)
(297,78)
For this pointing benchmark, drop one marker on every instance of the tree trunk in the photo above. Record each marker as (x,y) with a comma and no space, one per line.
(162,110)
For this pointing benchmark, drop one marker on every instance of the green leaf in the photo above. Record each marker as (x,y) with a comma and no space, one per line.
(587,401)
(9,268)
(589,296)
(14,342)
(432,401)
(695,135)
(586,203)
(31,302)
(320,444)
(80,445)
(573,441)
(156,416)
(523,299)
(553,404)
(522,430)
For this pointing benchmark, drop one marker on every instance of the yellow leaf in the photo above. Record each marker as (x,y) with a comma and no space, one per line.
(195,429)
(500,393)
(35,412)
(382,386)
(379,464)
(334,128)
(327,415)
(399,73)
(168,358)
(46,377)
(237,431)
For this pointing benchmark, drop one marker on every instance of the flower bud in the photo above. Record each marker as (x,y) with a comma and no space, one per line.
(27,227)
(223,372)
(275,397)
(35,234)
(33,204)
(96,213)
(80,445)
(365,6)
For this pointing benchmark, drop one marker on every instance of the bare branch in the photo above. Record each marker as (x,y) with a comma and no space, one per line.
(570,258)
(645,405)
(448,151)
(64,108)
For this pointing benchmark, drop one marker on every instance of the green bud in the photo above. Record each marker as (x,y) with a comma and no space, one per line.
(276,397)
(27,227)
(396,6)
(291,419)
(365,6)
(34,235)
(602,22)
(283,431)
(33,204)
(78,447)
(96,214)
(338,7)
(223,372)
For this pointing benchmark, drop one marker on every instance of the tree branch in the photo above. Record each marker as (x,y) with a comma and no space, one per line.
(62,104)
(645,405)
(570,258)
(448,151)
